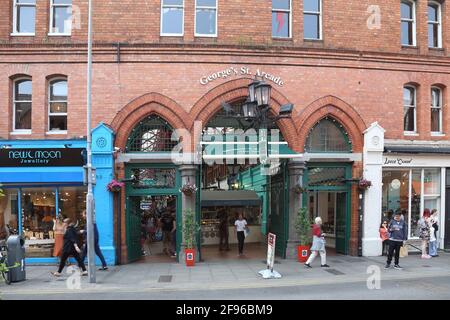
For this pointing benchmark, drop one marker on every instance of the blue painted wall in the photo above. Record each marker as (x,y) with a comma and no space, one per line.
(103,162)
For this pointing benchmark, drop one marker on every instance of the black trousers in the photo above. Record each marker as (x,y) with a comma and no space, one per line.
(65,256)
(241,238)
(223,243)
(385,247)
(394,248)
(98,252)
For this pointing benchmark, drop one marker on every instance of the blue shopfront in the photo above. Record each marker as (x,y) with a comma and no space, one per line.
(44,178)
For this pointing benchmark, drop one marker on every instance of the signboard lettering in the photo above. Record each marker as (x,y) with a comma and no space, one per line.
(63,157)
(242,71)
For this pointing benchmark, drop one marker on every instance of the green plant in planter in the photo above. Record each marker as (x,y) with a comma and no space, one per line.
(191,228)
(303,227)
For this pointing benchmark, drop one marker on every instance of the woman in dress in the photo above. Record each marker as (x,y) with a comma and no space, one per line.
(318,245)
(59,229)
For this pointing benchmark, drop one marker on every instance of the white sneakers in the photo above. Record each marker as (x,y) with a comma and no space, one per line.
(425,256)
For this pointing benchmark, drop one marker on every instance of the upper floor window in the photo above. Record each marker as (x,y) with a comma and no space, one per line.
(57,105)
(281,18)
(24,17)
(312,19)
(172,17)
(408,21)
(61,17)
(436,110)
(206,18)
(409,109)
(434,25)
(22,105)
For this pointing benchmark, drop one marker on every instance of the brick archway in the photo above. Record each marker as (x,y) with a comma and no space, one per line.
(151,103)
(206,107)
(337,109)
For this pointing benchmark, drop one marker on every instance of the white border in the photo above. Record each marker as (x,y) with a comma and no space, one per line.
(195,20)
(161,33)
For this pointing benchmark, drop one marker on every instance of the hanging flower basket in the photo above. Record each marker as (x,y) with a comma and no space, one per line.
(115,186)
(188,189)
(364,184)
(299,189)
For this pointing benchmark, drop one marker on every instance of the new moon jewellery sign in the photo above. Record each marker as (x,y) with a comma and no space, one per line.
(242,71)
(65,157)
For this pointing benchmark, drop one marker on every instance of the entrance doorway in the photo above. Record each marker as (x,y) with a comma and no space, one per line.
(152,220)
(331,206)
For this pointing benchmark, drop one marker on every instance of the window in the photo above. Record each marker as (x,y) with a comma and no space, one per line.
(172,17)
(57,106)
(434,25)
(409,109)
(24,17)
(328,136)
(206,18)
(410,191)
(408,23)
(312,19)
(22,105)
(153,134)
(281,18)
(61,17)
(436,110)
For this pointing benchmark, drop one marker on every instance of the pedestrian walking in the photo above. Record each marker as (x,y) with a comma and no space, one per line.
(240,225)
(97,249)
(70,248)
(167,222)
(384,235)
(433,233)
(424,232)
(223,231)
(173,237)
(318,246)
(398,233)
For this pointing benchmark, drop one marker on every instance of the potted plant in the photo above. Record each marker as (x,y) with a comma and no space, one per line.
(190,232)
(303,227)
(188,189)
(115,186)
(364,184)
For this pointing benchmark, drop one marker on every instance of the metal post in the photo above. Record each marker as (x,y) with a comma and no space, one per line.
(90,196)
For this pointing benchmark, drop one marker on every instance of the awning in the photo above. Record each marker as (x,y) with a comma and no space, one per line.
(415,149)
(231,198)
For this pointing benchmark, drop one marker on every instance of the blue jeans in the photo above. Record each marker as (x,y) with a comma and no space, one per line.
(98,252)
(433,248)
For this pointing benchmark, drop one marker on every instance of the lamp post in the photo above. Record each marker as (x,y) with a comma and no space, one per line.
(90,196)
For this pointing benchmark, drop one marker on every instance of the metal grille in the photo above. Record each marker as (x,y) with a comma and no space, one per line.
(165,279)
(326,177)
(153,178)
(328,136)
(152,134)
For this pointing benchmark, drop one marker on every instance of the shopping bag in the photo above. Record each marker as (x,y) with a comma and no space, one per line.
(246,231)
(403,251)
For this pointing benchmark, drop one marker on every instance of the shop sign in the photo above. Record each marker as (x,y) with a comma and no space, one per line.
(145,205)
(241,71)
(397,161)
(64,157)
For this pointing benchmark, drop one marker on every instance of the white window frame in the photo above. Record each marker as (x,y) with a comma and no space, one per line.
(15,10)
(195,20)
(162,18)
(21,131)
(319,13)
(52,6)
(49,114)
(439,22)
(290,20)
(414,23)
(415,110)
(439,108)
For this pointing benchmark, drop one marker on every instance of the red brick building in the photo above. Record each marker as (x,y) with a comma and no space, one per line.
(349,61)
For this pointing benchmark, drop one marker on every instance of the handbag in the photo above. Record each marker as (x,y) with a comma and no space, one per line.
(403,251)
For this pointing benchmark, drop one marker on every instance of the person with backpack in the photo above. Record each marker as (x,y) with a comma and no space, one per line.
(398,233)
(433,234)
